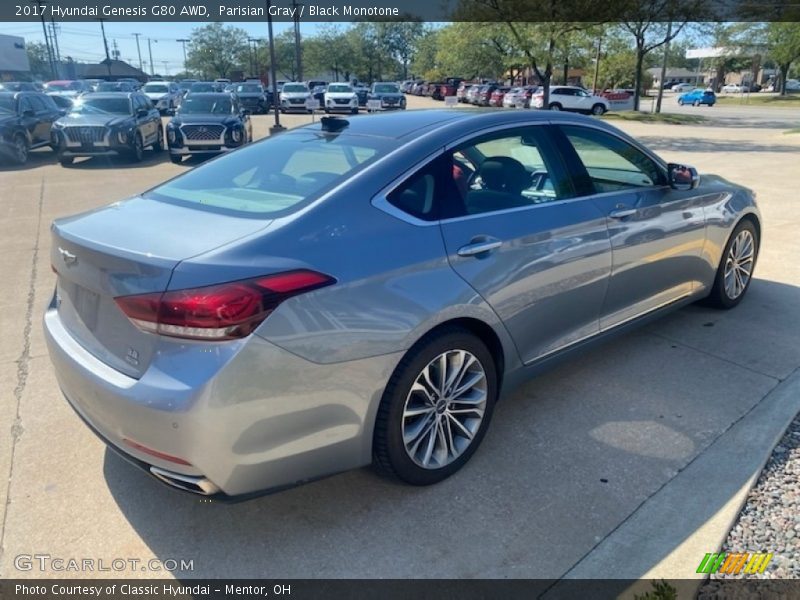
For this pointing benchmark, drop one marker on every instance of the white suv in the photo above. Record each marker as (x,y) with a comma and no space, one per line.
(166,96)
(341,97)
(569,97)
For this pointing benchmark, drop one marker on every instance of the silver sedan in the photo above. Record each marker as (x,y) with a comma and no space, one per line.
(363,290)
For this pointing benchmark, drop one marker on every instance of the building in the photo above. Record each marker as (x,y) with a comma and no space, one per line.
(14,63)
(676,76)
(110,70)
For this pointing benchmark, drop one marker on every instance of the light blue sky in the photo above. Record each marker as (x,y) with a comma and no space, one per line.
(83,41)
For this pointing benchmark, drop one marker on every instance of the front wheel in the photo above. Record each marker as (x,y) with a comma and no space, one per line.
(735,270)
(137,152)
(436,408)
(598,109)
(555,106)
(176,158)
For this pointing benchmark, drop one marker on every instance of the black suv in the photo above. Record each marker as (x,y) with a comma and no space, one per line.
(109,123)
(25,122)
(207,124)
(252,96)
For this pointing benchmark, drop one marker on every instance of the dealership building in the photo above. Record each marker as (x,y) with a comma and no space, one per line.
(13,58)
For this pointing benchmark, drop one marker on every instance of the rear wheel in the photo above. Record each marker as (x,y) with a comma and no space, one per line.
(66,161)
(158,145)
(555,106)
(176,158)
(598,109)
(436,408)
(21,149)
(735,270)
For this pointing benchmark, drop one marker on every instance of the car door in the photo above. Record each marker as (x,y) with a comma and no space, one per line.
(657,233)
(148,121)
(27,116)
(514,230)
(44,117)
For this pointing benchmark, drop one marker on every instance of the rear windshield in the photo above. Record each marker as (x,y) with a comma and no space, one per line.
(275,177)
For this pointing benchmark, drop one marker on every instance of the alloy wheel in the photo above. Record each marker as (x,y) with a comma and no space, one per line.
(444,409)
(739,264)
(21,148)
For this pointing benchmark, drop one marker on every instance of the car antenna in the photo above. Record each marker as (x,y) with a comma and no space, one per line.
(333,124)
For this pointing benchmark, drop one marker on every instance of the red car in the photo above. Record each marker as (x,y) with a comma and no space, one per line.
(496,99)
(448,88)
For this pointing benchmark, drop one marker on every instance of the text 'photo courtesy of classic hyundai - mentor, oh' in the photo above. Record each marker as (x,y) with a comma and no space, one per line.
(363,290)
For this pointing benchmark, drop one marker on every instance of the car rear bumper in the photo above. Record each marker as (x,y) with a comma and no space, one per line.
(248,416)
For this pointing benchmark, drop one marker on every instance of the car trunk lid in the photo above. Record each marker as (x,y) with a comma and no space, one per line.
(127,248)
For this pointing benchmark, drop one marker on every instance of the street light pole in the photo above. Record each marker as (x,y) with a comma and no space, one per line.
(183,42)
(50,58)
(139,51)
(150,50)
(277,128)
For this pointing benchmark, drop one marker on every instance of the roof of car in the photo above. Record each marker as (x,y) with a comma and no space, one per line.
(401,124)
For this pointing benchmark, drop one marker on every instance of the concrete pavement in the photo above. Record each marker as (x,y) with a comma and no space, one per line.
(569,472)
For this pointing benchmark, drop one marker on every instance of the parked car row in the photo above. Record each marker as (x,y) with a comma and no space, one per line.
(562,97)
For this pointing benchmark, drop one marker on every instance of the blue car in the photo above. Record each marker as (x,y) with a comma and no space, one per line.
(698,97)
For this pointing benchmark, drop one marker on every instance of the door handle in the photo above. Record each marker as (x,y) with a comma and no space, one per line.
(476,248)
(621,213)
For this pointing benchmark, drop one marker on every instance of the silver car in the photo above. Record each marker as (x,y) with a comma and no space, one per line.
(369,292)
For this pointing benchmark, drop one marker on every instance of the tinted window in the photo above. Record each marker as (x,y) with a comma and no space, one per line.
(25,104)
(38,104)
(249,88)
(612,163)
(336,88)
(7,104)
(218,105)
(274,177)
(421,194)
(155,88)
(294,87)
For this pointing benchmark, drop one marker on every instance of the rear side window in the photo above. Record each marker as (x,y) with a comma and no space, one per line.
(612,164)
(421,194)
(275,177)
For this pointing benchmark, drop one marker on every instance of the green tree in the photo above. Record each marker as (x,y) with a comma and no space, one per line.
(216,49)
(783,46)
(400,40)
(38,60)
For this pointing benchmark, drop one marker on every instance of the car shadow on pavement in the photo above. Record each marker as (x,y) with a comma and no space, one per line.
(36,158)
(569,457)
(119,162)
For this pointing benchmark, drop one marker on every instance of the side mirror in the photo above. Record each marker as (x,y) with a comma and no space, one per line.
(682,177)
(142,112)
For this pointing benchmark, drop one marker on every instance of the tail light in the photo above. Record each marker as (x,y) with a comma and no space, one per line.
(217,312)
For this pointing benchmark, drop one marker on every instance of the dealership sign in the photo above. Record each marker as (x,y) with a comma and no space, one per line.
(618,100)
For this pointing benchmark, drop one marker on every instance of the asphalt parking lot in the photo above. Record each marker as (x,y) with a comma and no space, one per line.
(620,463)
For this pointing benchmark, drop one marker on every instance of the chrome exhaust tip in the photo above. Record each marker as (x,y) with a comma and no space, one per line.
(187,483)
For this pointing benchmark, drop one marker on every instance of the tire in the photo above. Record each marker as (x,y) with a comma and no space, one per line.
(21,149)
(727,294)
(137,152)
(176,159)
(354,111)
(598,109)
(66,161)
(555,106)
(680,102)
(158,145)
(443,458)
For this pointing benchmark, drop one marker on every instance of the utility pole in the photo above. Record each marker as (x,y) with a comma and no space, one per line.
(297,53)
(115,52)
(597,64)
(50,57)
(664,68)
(183,43)
(139,51)
(150,50)
(56,50)
(166,67)
(277,128)
(105,44)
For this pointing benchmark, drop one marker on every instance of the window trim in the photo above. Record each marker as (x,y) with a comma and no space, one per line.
(381,201)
